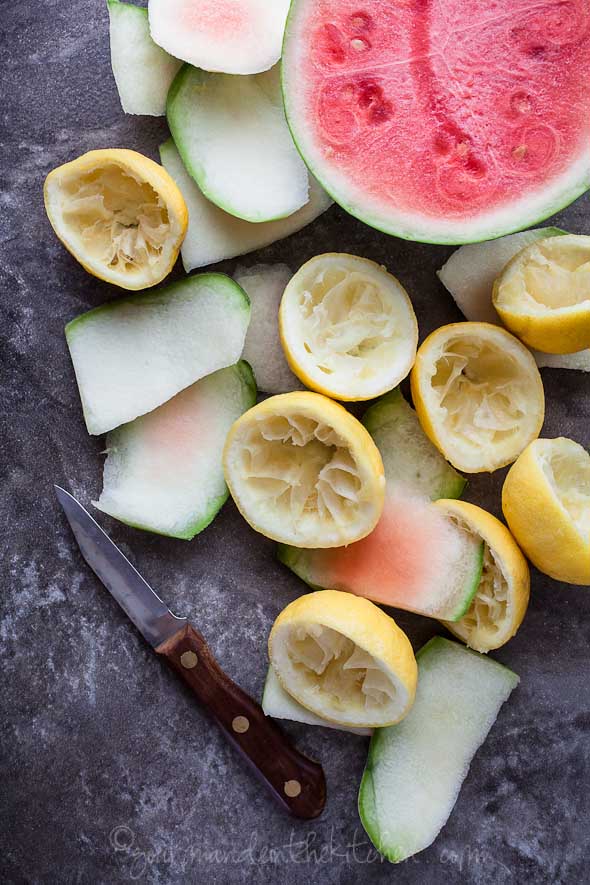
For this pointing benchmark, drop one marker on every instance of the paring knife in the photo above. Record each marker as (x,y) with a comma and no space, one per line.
(296,781)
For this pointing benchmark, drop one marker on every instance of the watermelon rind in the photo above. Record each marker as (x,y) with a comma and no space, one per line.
(135,353)
(415,769)
(279,704)
(234,141)
(409,457)
(412,466)
(214,235)
(223,36)
(142,70)
(138,496)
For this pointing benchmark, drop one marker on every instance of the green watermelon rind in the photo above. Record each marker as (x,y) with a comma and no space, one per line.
(468,597)
(291,557)
(426,658)
(249,393)
(384,411)
(564,198)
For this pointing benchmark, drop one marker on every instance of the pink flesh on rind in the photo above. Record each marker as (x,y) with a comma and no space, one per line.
(219,18)
(441,109)
(402,563)
(183,427)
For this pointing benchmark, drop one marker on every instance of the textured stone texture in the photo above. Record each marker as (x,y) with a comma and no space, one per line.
(110,772)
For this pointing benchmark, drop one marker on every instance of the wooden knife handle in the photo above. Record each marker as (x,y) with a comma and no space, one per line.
(296,781)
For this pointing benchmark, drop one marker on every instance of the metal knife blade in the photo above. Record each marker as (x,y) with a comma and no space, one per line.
(135,596)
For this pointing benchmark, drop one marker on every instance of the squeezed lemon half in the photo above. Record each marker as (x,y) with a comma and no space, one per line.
(119,214)
(546,502)
(344,659)
(543,294)
(478,394)
(500,603)
(305,472)
(347,327)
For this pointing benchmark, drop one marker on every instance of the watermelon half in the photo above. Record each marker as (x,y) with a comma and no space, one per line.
(447,122)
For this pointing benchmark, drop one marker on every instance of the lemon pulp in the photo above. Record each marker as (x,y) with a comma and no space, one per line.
(304,471)
(568,473)
(119,214)
(478,394)
(543,294)
(348,327)
(122,221)
(335,666)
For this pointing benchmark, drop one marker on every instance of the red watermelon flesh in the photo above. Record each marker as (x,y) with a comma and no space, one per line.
(444,120)
(415,559)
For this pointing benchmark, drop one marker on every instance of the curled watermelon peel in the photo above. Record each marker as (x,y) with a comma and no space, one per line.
(442,123)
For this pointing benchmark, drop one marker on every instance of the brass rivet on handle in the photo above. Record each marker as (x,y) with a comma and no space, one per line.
(292,789)
(240,724)
(188,659)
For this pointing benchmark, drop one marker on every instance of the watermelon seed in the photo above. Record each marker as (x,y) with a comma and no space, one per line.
(359,44)
(520,152)
(379,113)
(521,103)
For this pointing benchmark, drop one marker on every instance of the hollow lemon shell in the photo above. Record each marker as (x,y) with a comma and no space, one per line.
(539,521)
(359,620)
(311,407)
(514,568)
(429,413)
(142,170)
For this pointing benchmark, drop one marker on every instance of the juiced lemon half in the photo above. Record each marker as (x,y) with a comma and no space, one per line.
(543,294)
(478,394)
(347,327)
(344,659)
(502,597)
(546,502)
(119,214)
(305,472)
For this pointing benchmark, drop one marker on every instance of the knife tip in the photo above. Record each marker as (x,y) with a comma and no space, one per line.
(62,496)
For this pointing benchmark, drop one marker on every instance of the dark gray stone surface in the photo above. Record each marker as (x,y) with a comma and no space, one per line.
(110,772)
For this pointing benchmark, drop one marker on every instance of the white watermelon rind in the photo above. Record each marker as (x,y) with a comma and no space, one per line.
(248,389)
(143,71)
(214,235)
(395,762)
(387,416)
(181,109)
(276,702)
(231,299)
(511,218)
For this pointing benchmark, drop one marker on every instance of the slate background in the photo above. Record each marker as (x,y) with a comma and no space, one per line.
(110,773)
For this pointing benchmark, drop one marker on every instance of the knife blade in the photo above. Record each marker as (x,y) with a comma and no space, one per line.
(140,603)
(296,781)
